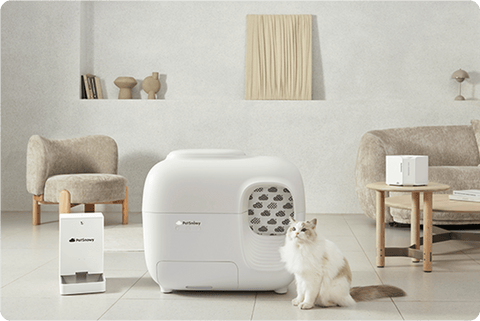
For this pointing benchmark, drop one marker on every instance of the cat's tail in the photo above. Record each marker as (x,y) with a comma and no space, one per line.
(372,292)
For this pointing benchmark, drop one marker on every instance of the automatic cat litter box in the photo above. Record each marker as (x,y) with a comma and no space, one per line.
(215,219)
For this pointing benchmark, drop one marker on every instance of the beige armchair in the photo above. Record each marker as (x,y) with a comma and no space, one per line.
(75,171)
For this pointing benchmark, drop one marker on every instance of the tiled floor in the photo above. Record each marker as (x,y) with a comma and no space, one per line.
(29,268)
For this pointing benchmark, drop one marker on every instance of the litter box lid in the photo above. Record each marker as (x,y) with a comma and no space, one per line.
(205,154)
(215,181)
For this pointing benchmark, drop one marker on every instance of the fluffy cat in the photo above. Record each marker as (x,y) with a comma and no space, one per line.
(322,273)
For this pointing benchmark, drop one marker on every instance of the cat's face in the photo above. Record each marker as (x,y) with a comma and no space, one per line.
(300,231)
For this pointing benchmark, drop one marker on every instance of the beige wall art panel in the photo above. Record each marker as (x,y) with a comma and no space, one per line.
(279,57)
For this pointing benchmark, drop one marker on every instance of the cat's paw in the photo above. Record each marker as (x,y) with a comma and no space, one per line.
(296,302)
(305,306)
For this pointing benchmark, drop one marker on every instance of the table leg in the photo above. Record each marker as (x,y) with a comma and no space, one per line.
(427,232)
(415,223)
(380,217)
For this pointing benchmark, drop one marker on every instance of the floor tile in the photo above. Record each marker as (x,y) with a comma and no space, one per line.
(124,261)
(346,243)
(472,250)
(435,286)
(439,310)
(130,309)
(358,261)
(123,239)
(360,224)
(328,225)
(19,262)
(281,310)
(33,237)
(80,307)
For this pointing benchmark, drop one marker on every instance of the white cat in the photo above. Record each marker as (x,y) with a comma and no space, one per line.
(322,273)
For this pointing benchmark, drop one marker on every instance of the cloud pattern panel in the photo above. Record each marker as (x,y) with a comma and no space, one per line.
(269,210)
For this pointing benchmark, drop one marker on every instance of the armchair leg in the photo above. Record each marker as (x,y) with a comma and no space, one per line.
(125,208)
(35,211)
(64,199)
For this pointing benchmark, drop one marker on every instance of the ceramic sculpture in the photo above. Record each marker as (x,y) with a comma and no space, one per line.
(151,85)
(125,84)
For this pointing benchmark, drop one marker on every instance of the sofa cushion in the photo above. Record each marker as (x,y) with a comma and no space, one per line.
(86,188)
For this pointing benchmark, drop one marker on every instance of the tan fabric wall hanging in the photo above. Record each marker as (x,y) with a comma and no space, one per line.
(279,57)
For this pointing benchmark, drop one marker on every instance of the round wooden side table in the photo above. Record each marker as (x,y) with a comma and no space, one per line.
(414,250)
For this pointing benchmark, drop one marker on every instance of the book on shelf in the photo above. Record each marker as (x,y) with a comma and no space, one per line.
(98,86)
(468,192)
(84,90)
(91,87)
(466,198)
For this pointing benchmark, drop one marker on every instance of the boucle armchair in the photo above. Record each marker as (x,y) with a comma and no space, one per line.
(453,155)
(76,171)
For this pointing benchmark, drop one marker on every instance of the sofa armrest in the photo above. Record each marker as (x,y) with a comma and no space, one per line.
(370,168)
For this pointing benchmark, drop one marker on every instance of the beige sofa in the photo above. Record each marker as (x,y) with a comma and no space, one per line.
(454,158)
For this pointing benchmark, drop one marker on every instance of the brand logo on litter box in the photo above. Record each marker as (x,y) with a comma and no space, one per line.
(188,223)
(82,240)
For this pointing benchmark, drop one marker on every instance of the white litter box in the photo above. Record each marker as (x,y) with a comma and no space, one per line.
(215,219)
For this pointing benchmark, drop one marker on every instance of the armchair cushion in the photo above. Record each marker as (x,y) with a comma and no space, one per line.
(86,188)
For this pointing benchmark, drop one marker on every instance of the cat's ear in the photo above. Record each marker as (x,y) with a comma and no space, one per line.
(292,220)
(314,222)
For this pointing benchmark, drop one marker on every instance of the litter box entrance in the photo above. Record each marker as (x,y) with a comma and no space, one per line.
(269,210)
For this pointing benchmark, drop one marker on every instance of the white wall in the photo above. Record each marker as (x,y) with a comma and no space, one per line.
(362,50)
(376,65)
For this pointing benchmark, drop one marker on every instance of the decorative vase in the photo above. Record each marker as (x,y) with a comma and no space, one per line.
(151,85)
(125,84)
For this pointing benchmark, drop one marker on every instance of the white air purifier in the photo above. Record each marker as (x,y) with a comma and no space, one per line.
(81,253)
(215,220)
(407,170)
